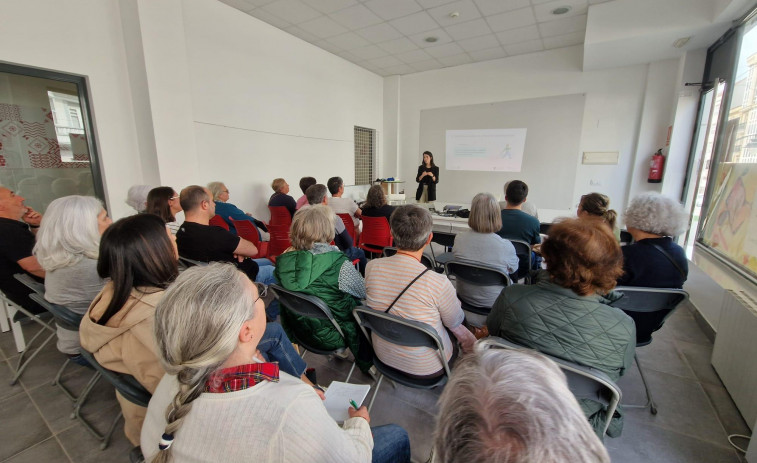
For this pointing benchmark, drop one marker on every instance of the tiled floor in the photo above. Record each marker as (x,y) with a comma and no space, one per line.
(695,412)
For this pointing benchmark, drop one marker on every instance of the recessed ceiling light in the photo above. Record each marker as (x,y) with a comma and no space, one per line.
(561,10)
(430,39)
(681,42)
(454,14)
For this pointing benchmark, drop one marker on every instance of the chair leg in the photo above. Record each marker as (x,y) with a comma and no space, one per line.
(18,334)
(21,364)
(650,401)
(105,437)
(375,393)
(349,375)
(4,321)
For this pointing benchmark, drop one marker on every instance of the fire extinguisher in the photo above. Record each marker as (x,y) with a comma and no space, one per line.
(655,167)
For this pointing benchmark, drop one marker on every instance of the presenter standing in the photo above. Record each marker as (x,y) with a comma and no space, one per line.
(427,178)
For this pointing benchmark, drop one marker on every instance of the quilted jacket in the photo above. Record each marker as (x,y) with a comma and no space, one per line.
(559,322)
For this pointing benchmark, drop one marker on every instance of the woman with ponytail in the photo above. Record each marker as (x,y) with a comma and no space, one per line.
(597,205)
(219,401)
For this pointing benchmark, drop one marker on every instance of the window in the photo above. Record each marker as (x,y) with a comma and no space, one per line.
(46,145)
(365,149)
(728,225)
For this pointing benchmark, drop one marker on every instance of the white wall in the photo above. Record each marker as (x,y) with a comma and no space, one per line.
(40,34)
(615,110)
(267,104)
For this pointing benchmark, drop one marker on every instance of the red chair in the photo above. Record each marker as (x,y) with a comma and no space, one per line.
(279,240)
(217,221)
(376,235)
(248,231)
(349,225)
(280,216)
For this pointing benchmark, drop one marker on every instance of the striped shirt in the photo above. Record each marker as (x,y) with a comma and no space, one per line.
(431,300)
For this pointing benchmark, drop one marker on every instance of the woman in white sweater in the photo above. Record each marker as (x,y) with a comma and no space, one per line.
(219,402)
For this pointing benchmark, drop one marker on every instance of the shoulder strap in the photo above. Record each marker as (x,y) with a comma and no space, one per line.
(403,291)
(670,258)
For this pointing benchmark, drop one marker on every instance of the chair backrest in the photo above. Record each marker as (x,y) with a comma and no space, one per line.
(30,283)
(477,274)
(544,228)
(279,239)
(376,234)
(280,216)
(649,308)
(217,221)
(191,262)
(246,230)
(584,382)
(349,224)
(523,251)
(625,238)
(400,331)
(126,384)
(425,260)
(445,239)
(305,305)
(64,317)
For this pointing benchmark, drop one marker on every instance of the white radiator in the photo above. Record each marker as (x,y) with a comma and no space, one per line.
(734,355)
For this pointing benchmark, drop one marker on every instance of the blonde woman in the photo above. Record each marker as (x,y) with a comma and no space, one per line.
(220,402)
(280,196)
(597,205)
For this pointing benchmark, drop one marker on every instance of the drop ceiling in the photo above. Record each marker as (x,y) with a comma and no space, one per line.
(389,37)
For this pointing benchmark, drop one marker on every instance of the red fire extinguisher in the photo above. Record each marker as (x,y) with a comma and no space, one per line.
(655,167)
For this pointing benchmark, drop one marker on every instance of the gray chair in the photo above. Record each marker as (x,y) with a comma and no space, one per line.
(425,260)
(584,382)
(20,313)
(403,332)
(479,275)
(525,261)
(126,385)
(308,306)
(446,239)
(649,308)
(69,320)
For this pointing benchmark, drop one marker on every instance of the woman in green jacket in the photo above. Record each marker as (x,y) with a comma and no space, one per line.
(564,314)
(313,266)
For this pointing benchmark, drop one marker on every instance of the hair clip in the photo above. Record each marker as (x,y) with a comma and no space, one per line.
(165,441)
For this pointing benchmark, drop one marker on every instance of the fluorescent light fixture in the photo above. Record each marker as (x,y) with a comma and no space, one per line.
(561,10)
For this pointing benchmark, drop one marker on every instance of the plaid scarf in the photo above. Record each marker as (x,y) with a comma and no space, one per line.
(241,377)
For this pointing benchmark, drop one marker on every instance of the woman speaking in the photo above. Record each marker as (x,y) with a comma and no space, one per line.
(427,178)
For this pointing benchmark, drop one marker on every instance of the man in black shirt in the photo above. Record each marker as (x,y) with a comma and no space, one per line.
(18,225)
(197,240)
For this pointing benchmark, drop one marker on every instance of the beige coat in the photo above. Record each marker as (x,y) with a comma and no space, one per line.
(126,345)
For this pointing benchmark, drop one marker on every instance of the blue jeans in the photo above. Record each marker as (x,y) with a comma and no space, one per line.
(276,347)
(390,444)
(357,253)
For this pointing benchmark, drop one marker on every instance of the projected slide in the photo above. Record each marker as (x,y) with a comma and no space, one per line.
(499,150)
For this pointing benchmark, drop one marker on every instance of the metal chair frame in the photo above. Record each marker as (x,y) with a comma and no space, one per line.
(519,245)
(577,376)
(191,262)
(679,297)
(310,307)
(446,239)
(404,332)
(479,275)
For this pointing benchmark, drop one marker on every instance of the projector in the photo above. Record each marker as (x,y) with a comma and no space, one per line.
(451,209)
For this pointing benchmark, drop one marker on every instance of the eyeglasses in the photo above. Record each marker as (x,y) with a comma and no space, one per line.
(261,292)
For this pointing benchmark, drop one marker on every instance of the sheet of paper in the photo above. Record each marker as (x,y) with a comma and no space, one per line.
(338,397)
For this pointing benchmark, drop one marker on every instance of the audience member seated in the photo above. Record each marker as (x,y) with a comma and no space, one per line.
(136,197)
(428,296)
(220,402)
(18,225)
(197,240)
(68,243)
(228,211)
(342,205)
(375,204)
(139,256)
(528,207)
(517,225)
(305,183)
(163,201)
(483,246)
(597,206)
(564,315)
(654,259)
(492,410)
(317,195)
(313,266)
(280,196)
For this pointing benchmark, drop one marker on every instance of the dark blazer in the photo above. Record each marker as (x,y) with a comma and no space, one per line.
(427,181)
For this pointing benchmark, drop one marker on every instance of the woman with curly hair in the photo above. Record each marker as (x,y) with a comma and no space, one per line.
(654,259)
(564,314)
(375,204)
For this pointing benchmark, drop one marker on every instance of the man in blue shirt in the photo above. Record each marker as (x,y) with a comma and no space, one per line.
(517,225)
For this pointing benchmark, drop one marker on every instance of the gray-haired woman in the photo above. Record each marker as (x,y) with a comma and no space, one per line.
(654,260)
(220,402)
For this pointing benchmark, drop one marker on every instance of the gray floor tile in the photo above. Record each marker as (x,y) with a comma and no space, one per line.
(6,390)
(83,448)
(418,423)
(662,355)
(21,426)
(699,357)
(682,326)
(683,407)
(642,442)
(49,450)
(726,410)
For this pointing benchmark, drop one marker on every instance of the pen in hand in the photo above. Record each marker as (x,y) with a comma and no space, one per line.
(354,404)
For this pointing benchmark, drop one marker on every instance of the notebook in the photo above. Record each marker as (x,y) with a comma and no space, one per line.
(338,397)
